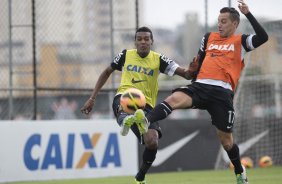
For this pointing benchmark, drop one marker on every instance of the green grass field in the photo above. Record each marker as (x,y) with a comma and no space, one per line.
(256,176)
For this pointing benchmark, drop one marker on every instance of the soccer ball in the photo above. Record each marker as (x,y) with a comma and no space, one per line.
(245,161)
(131,100)
(265,161)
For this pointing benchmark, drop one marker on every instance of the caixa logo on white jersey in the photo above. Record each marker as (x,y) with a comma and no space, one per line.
(72,151)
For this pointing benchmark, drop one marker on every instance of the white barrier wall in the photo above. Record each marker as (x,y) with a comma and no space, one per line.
(48,150)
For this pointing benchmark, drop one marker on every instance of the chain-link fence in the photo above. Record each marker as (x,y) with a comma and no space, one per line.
(51,53)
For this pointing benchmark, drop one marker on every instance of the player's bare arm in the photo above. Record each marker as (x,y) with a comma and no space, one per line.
(87,107)
(183,72)
(243,7)
(189,72)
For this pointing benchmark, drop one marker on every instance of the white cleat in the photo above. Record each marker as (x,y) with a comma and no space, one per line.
(126,124)
(242,178)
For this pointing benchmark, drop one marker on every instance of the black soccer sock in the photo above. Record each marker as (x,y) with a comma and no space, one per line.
(161,111)
(148,159)
(234,156)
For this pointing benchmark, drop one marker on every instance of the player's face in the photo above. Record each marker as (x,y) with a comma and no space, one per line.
(226,27)
(143,43)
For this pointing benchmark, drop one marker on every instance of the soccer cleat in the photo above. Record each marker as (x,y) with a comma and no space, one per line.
(126,124)
(140,182)
(141,121)
(242,178)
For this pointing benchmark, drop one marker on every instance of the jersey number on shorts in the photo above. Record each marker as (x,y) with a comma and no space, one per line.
(231,118)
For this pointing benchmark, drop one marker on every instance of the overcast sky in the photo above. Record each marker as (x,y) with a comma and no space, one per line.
(170,13)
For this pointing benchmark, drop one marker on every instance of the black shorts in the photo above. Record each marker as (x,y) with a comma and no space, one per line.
(217,100)
(134,128)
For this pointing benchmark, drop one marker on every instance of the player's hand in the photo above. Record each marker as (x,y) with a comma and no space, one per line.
(243,7)
(193,68)
(87,107)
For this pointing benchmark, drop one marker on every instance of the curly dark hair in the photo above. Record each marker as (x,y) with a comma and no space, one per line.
(144,29)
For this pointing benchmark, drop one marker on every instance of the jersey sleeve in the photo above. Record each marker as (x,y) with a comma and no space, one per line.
(261,36)
(203,46)
(119,61)
(167,65)
(202,53)
(247,42)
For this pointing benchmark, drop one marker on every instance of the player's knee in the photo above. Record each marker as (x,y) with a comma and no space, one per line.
(172,100)
(152,144)
(151,140)
(226,139)
(227,147)
(227,144)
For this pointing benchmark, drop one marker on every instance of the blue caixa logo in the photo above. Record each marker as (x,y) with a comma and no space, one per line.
(53,154)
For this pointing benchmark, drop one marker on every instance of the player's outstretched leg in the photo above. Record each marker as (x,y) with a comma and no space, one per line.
(141,121)
(126,124)
(242,178)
